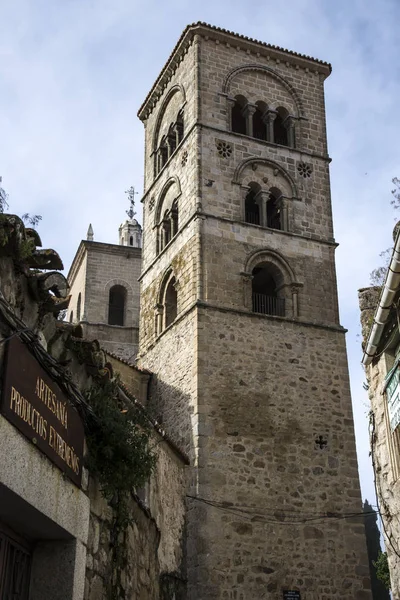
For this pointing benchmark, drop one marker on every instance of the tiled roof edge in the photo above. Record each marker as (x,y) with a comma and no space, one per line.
(236,35)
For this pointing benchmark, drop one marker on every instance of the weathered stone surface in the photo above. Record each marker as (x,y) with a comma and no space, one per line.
(246,394)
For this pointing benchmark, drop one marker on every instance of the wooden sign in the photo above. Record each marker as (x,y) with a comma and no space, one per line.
(35,404)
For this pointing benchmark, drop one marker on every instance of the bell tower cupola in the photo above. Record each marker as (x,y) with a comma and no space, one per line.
(130,232)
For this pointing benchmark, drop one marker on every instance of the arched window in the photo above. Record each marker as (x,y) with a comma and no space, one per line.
(252,208)
(169,143)
(274,213)
(280,127)
(238,119)
(170,302)
(116,305)
(167,306)
(130,240)
(71,317)
(259,124)
(167,216)
(78,308)
(265,297)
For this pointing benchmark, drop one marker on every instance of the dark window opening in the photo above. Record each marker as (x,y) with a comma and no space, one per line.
(131,240)
(179,127)
(171,302)
(116,306)
(238,118)
(15,565)
(252,209)
(78,308)
(166,229)
(163,153)
(71,317)
(280,129)
(259,127)
(264,294)
(174,218)
(274,211)
(171,141)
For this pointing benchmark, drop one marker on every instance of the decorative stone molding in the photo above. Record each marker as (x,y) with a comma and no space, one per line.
(184,158)
(263,68)
(224,149)
(304,169)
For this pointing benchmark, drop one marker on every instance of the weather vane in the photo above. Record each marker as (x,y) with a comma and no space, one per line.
(131,195)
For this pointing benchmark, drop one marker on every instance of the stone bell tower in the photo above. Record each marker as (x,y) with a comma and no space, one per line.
(239,321)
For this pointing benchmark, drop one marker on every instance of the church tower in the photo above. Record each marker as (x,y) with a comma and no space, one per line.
(104,288)
(239,321)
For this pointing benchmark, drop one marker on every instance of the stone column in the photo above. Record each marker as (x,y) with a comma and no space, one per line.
(159,311)
(248,112)
(289,124)
(270,117)
(169,148)
(247,278)
(261,199)
(283,207)
(230,102)
(295,299)
(176,132)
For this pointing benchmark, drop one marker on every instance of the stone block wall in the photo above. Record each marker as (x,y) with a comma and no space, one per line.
(106,265)
(263,478)
(253,397)
(384,443)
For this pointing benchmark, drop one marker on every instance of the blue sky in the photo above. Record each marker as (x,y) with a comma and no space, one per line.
(74,73)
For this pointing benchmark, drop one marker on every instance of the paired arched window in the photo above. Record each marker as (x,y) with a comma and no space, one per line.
(264,207)
(78,308)
(167,307)
(265,297)
(168,227)
(116,305)
(263,123)
(169,143)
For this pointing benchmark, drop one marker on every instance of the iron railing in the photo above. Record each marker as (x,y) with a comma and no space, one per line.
(268,305)
(14,569)
(252,217)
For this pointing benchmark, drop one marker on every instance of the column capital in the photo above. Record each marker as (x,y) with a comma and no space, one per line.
(249,109)
(246,276)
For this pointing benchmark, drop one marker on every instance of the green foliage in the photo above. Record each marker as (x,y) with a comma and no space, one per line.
(382,569)
(378,275)
(31,220)
(120,457)
(119,453)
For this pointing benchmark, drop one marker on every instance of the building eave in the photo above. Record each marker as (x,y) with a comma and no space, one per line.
(225,35)
(390,290)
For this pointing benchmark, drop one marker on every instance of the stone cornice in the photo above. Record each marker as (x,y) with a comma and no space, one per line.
(249,45)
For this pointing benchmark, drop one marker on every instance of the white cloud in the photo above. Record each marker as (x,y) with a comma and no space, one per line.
(75,72)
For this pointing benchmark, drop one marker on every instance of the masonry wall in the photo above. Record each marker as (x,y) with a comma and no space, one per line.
(262,470)
(154,539)
(103,266)
(250,395)
(71,529)
(384,443)
(78,286)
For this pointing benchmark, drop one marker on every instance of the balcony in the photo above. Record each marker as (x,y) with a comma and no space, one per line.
(268,305)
